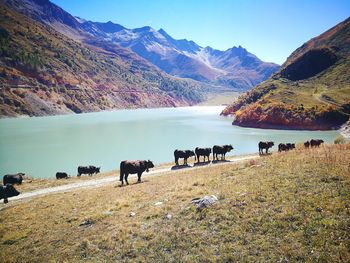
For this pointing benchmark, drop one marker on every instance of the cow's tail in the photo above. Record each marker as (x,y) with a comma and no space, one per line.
(121,172)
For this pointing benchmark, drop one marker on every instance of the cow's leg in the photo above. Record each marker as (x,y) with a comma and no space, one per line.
(5,200)
(121,178)
(139,177)
(177,161)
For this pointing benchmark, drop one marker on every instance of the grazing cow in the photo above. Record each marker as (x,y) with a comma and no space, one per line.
(266,146)
(182,154)
(60,175)
(134,167)
(7,191)
(286,147)
(282,147)
(90,170)
(290,146)
(13,178)
(316,143)
(307,144)
(217,149)
(205,152)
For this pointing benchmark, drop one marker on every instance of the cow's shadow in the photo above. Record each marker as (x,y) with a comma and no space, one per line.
(221,161)
(131,184)
(201,163)
(178,167)
(264,154)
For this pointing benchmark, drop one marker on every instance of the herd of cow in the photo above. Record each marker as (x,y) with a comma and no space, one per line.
(139,166)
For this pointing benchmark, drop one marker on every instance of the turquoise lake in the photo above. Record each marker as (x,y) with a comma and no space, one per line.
(42,146)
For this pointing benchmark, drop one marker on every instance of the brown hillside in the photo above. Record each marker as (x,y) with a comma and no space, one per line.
(311,90)
(43,72)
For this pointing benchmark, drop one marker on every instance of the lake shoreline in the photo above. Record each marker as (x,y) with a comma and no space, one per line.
(44,146)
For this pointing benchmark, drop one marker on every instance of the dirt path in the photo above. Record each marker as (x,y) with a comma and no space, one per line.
(114,179)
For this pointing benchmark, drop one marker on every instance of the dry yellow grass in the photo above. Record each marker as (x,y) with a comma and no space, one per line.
(285,207)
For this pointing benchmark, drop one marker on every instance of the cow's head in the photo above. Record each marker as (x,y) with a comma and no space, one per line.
(98,169)
(293,146)
(9,191)
(190,153)
(149,165)
(270,144)
(228,147)
(321,141)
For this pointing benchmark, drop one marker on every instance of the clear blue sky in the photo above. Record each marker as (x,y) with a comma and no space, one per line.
(270,29)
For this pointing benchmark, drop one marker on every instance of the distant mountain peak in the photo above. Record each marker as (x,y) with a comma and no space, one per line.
(235,67)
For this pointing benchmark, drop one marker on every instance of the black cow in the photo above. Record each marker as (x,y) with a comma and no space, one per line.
(60,175)
(265,145)
(290,146)
(217,149)
(182,154)
(7,191)
(134,167)
(90,170)
(13,178)
(307,144)
(282,147)
(286,147)
(205,152)
(316,143)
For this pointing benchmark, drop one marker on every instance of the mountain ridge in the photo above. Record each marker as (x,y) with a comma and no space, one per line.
(179,58)
(310,91)
(198,63)
(43,72)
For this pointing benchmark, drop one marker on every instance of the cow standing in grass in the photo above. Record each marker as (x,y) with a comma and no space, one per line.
(7,191)
(290,146)
(217,149)
(134,167)
(182,154)
(90,170)
(316,143)
(13,178)
(266,146)
(286,147)
(61,175)
(205,152)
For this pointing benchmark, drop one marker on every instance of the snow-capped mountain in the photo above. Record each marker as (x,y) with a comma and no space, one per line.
(235,67)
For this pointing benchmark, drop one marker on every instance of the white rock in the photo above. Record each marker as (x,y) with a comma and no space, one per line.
(204,202)
(168,216)
(132,214)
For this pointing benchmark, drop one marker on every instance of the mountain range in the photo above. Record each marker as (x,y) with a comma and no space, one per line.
(235,68)
(52,63)
(310,91)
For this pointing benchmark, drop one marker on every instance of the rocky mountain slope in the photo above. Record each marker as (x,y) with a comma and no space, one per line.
(310,91)
(235,68)
(43,72)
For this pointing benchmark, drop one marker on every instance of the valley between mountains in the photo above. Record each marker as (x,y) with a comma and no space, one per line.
(54,63)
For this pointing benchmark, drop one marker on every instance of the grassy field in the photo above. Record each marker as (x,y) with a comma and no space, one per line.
(282,208)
